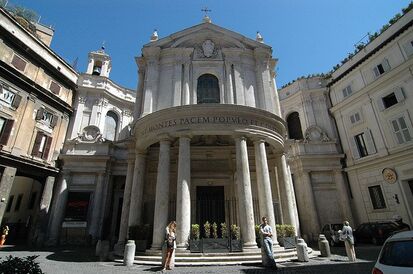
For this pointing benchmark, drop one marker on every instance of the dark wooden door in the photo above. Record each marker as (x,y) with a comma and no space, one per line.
(210,205)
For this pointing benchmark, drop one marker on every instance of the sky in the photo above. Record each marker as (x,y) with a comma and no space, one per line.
(307,37)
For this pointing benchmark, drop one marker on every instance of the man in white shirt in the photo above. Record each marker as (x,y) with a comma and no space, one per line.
(266,234)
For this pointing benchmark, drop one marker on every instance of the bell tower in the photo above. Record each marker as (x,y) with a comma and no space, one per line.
(100,63)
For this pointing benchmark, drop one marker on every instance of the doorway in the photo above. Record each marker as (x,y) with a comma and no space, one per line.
(210,205)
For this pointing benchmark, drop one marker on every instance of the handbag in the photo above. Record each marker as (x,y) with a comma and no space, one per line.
(170,242)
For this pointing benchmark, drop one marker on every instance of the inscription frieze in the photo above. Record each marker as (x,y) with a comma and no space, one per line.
(208,120)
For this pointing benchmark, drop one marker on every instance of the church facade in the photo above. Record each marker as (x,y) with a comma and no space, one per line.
(206,142)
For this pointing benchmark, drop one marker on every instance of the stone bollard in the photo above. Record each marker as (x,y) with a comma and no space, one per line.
(129,254)
(323,246)
(302,253)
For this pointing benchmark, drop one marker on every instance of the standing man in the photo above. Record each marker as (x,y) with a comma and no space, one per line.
(267,244)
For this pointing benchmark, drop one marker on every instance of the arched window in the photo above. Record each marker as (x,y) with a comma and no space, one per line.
(111,126)
(207,89)
(294,126)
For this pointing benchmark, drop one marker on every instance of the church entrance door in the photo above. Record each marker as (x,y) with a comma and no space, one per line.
(210,201)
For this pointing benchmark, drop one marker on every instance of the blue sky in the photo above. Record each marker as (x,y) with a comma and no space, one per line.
(306,36)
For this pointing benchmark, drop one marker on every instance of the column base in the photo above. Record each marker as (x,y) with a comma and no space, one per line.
(182,250)
(250,247)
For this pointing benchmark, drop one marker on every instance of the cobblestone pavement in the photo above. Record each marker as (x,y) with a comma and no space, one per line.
(77,260)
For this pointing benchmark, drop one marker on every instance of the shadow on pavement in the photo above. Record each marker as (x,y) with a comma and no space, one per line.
(73,255)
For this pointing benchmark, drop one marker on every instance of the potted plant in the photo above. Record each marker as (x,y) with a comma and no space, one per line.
(141,234)
(194,241)
(236,242)
(258,235)
(213,244)
(286,236)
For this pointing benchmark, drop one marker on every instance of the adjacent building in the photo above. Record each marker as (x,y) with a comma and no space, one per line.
(372,102)
(36,90)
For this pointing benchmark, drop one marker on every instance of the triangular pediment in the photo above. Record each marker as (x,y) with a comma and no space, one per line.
(194,36)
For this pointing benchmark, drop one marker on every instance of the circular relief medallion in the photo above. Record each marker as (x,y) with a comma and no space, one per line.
(389,175)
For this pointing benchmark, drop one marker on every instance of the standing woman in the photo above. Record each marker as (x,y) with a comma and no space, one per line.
(170,245)
(346,235)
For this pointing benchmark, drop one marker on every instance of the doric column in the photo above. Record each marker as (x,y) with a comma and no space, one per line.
(135,212)
(162,194)
(344,201)
(6,183)
(244,194)
(288,197)
(186,97)
(97,206)
(228,84)
(41,220)
(306,205)
(264,185)
(183,197)
(123,229)
(59,207)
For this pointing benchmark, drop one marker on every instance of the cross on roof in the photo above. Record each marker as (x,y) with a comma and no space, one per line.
(206,10)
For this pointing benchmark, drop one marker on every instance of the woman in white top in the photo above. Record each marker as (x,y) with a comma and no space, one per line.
(170,244)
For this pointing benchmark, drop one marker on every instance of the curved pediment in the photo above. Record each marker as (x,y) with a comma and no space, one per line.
(195,36)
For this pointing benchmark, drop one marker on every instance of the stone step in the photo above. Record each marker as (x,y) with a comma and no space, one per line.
(199,259)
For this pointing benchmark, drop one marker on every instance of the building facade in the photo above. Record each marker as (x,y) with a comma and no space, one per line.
(372,101)
(36,90)
(206,142)
(314,155)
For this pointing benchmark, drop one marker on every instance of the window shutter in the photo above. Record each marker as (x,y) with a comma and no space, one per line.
(47,148)
(53,123)
(16,101)
(36,146)
(399,94)
(352,119)
(380,104)
(6,132)
(39,114)
(408,48)
(376,71)
(371,148)
(386,65)
(354,149)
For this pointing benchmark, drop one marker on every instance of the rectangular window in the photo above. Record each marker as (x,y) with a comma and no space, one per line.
(46,117)
(9,203)
(41,145)
(6,127)
(401,130)
(361,145)
(32,200)
(391,99)
(355,118)
(18,62)
(408,48)
(18,202)
(55,87)
(381,68)
(347,91)
(376,196)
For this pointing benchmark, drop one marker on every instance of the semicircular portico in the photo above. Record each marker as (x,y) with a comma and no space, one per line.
(211,119)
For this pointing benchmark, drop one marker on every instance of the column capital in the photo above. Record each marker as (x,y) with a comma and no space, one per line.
(140,152)
(240,137)
(258,140)
(165,138)
(185,136)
